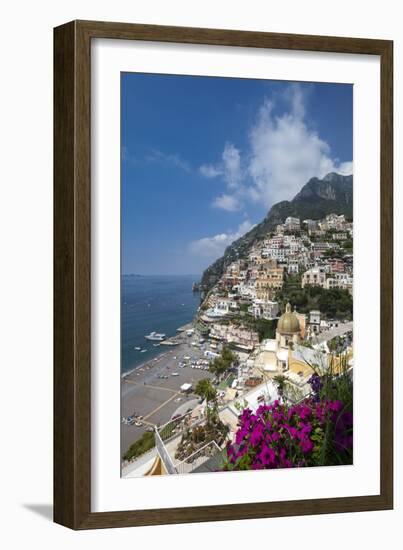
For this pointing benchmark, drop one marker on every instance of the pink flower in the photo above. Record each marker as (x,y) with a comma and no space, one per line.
(335,406)
(304,412)
(256,435)
(306,445)
(293,432)
(267,455)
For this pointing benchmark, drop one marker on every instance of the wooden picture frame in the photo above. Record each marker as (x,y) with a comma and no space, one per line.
(72,270)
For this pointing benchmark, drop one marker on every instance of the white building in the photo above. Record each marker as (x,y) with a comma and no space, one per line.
(311,224)
(339,236)
(333,221)
(278,254)
(292,224)
(222,308)
(264,309)
(238,335)
(314,277)
(247,289)
(340,280)
(314,321)
(292,266)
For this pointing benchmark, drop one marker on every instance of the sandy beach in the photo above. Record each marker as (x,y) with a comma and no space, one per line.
(157,399)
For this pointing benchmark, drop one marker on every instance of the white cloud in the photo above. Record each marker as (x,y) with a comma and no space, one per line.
(345,168)
(286,153)
(232,165)
(173,159)
(230,203)
(210,171)
(283,154)
(212,248)
(231,172)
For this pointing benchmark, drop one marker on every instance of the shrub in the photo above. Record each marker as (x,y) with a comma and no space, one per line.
(311,433)
(140,446)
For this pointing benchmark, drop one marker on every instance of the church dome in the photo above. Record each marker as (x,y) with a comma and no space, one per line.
(288,322)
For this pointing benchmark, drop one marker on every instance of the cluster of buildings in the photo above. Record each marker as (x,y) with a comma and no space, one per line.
(331,275)
(310,253)
(253,383)
(312,250)
(241,337)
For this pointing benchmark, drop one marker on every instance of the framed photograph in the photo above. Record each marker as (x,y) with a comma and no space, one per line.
(223,317)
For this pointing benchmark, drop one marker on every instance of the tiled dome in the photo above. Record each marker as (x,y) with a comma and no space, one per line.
(288,322)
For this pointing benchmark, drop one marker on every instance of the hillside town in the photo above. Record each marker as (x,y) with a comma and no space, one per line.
(310,253)
(276,319)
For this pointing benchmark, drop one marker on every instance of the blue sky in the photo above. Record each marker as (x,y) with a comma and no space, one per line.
(204,158)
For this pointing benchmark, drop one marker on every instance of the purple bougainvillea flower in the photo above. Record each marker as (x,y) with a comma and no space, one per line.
(241,435)
(267,456)
(335,406)
(282,453)
(279,436)
(305,430)
(241,452)
(347,418)
(286,463)
(257,435)
(293,432)
(304,412)
(261,410)
(306,445)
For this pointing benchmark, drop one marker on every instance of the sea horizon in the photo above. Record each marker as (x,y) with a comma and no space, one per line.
(134,274)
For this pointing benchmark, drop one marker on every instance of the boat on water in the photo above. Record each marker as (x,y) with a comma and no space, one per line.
(143,351)
(169,343)
(155,336)
(137,348)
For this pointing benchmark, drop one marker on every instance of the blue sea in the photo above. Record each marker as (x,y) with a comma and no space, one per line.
(154,303)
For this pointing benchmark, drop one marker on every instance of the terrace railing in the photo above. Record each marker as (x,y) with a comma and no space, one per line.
(162,451)
(177,425)
(196,459)
(165,436)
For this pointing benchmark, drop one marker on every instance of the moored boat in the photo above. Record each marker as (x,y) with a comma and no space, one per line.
(155,336)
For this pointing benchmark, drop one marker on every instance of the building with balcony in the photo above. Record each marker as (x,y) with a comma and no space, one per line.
(292,224)
(315,276)
(240,336)
(264,309)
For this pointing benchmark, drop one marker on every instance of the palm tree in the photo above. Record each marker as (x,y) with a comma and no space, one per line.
(229,356)
(280,380)
(220,365)
(207,391)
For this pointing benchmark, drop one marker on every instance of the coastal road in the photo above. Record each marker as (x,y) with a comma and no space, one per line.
(332,333)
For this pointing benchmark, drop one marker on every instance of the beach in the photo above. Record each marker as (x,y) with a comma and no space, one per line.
(153,303)
(158,399)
